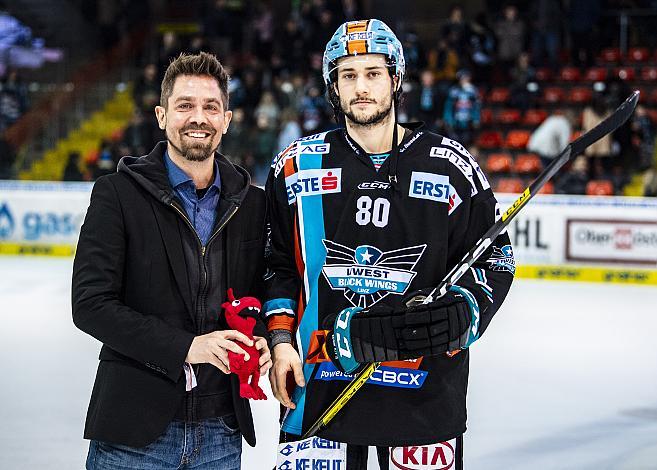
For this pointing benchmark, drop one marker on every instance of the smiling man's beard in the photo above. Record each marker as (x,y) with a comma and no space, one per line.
(369,121)
(197,151)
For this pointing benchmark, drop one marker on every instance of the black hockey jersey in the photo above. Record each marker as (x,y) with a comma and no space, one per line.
(341,236)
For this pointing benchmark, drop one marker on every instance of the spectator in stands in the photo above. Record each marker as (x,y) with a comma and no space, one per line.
(7,158)
(141,134)
(426,101)
(481,47)
(237,144)
(461,115)
(583,16)
(291,44)
(13,99)
(263,28)
(510,32)
(290,128)
(546,20)
(146,91)
(444,63)
(72,169)
(267,108)
(265,139)
(170,48)
(414,54)
(455,32)
(574,180)
(524,88)
(552,136)
(599,153)
(219,24)
(643,138)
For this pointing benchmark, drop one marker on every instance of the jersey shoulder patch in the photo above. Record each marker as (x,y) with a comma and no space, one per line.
(310,145)
(458,156)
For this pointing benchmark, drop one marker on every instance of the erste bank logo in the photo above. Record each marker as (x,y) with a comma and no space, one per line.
(312,183)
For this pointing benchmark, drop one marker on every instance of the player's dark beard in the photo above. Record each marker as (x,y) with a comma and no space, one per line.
(369,121)
(198,151)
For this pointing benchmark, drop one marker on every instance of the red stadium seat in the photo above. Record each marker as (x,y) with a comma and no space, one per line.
(625,73)
(579,95)
(528,164)
(489,140)
(533,117)
(507,116)
(543,74)
(650,97)
(553,95)
(638,54)
(509,185)
(486,116)
(498,95)
(596,74)
(611,54)
(499,163)
(600,188)
(570,74)
(575,135)
(517,139)
(547,189)
(649,74)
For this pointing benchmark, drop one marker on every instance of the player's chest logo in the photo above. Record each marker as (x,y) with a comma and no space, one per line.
(366,274)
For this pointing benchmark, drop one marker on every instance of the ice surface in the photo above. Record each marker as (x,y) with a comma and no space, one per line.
(565,378)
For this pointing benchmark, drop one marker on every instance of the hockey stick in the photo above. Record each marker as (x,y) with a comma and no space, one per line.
(613,122)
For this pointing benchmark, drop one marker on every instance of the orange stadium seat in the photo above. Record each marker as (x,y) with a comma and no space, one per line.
(649,74)
(553,95)
(517,139)
(509,185)
(533,117)
(638,54)
(486,116)
(547,189)
(528,164)
(499,163)
(600,188)
(610,54)
(596,74)
(489,140)
(579,95)
(625,73)
(507,116)
(570,74)
(575,135)
(498,95)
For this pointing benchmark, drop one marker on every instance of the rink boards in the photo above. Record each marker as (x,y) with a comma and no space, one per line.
(557,237)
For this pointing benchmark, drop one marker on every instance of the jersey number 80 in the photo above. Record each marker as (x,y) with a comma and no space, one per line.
(376,211)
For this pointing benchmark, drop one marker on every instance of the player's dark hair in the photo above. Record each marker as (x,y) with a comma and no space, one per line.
(194,64)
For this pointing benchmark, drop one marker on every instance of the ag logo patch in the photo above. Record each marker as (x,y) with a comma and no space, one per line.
(367,274)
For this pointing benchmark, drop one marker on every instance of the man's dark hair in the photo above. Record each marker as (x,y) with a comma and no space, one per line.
(194,64)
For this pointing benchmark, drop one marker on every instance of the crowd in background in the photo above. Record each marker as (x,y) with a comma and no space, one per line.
(277,91)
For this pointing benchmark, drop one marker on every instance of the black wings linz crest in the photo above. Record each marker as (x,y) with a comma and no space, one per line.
(366,274)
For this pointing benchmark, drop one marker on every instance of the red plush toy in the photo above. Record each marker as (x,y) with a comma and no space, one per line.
(241,315)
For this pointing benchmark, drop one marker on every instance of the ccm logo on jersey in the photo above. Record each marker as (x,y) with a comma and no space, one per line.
(313,182)
(429,186)
(439,456)
(374,185)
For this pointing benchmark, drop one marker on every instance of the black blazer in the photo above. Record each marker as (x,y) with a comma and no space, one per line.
(135,269)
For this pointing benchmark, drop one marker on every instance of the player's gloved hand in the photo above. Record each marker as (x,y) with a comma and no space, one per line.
(382,333)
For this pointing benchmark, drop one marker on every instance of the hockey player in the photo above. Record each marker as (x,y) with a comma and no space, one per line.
(365,220)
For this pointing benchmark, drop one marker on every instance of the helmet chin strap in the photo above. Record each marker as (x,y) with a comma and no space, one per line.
(394,152)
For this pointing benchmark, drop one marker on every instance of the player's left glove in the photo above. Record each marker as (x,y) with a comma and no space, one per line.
(382,333)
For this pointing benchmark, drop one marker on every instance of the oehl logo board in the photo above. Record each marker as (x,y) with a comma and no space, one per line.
(312,183)
(438,456)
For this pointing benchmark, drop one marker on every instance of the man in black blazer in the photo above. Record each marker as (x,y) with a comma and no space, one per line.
(164,238)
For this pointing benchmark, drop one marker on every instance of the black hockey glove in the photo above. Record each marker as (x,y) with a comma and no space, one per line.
(385,334)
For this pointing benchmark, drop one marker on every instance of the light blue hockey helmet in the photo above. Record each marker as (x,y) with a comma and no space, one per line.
(363,37)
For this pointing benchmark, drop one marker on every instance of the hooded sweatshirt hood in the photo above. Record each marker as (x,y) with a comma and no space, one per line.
(150,172)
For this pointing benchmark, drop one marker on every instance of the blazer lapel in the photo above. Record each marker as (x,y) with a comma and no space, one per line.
(168,224)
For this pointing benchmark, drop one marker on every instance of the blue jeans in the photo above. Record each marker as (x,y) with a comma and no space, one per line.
(209,444)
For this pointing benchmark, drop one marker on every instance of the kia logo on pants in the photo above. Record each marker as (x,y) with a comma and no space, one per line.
(431,457)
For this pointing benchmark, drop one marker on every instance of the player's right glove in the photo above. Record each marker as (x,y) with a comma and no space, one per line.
(382,333)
